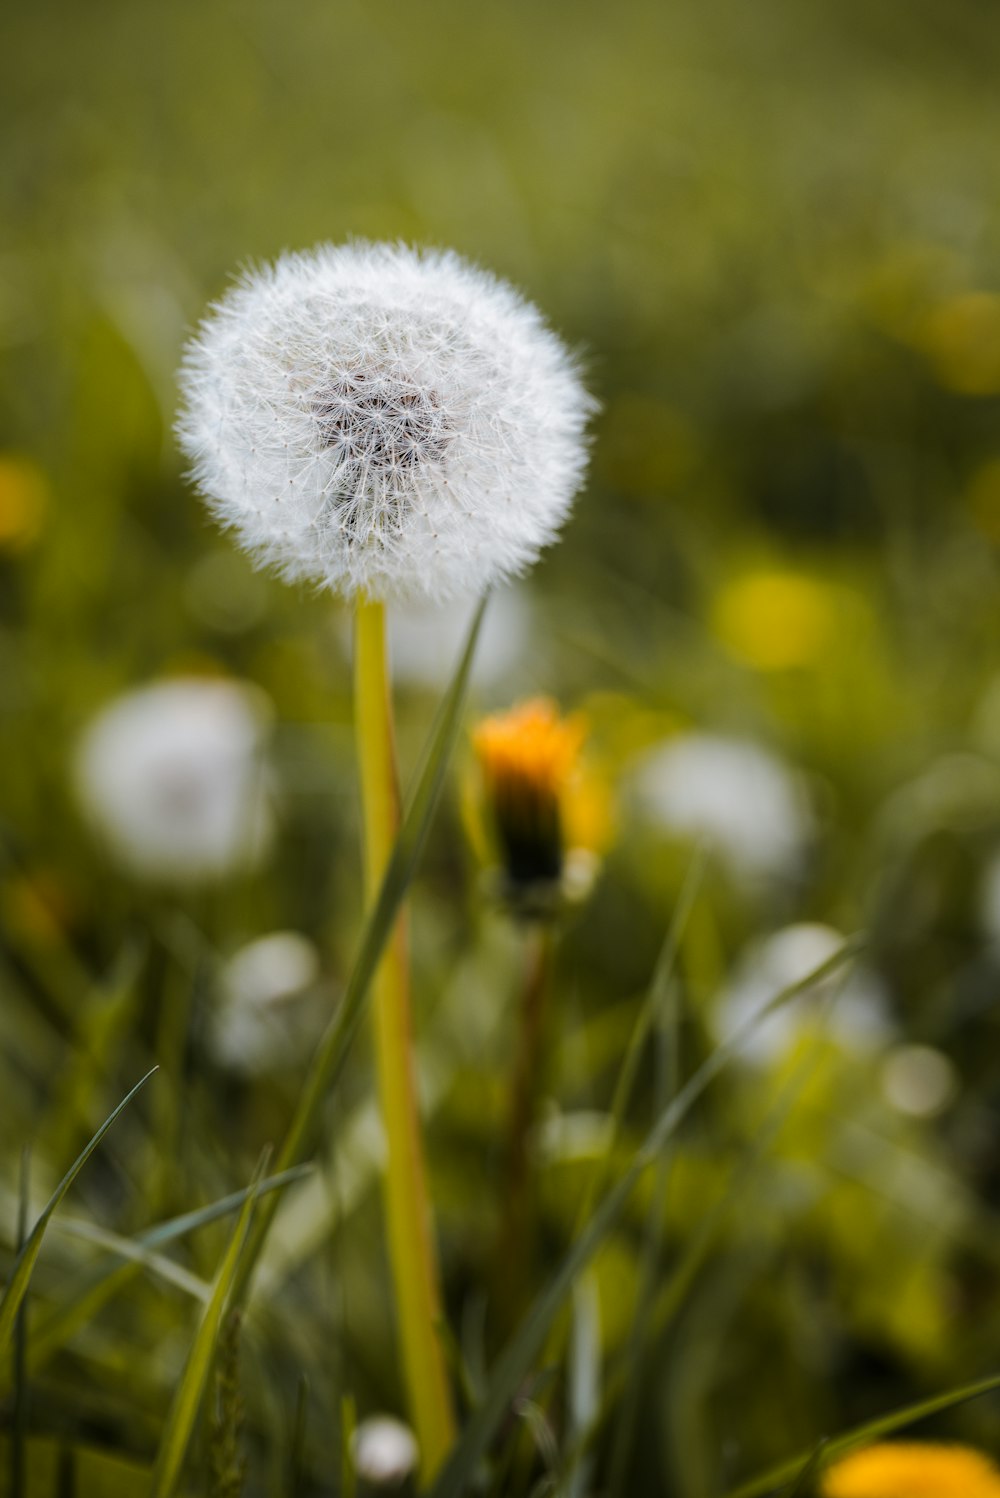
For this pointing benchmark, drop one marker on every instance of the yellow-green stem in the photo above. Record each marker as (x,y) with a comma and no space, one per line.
(411,1244)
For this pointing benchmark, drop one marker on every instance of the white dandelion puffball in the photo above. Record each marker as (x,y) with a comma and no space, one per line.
(384,421)
(172,776)
(426,642)
(384,1451)
(258,1023)
(858,1019)
(748,805)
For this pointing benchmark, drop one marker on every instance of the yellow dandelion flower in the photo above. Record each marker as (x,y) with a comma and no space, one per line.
(549,817)
(23,501)
(961,338)
(913,1470)
(983,497)
(773,619)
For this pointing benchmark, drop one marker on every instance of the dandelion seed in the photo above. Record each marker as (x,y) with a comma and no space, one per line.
(423,425)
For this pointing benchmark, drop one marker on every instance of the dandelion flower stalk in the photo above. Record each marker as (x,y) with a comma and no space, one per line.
(547,820)
(411,1244)
(515,1243)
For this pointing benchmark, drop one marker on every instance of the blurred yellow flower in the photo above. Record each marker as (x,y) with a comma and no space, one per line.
(983,497)
(961,338)
(23,501)
(549,816)
(773,619)
(913,1470)
(36,907)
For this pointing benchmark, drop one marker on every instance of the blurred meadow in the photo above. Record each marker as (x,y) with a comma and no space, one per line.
(773,233)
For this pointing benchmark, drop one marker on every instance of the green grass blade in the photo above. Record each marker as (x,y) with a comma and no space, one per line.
(668,1078)
(25,1262)
(297,1453)
(336,1042)
(187,1400)
(516,1358)
(138,1253)
(810,1472)
(671,1297)
(100,1286)
(19,1414)
(780,1478)
(651,1006)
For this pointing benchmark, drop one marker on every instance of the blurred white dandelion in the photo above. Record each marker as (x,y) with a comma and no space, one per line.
(426,642)
(172,776)
(384,1451)
(261,1021)
(857,1019)
(383,421)
(989,900)
(919,1080)
(742,800)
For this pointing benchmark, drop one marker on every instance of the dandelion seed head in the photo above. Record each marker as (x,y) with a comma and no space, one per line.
(262,1019)
(747,803)
(858,1020)
(384,1451)
(172,777)
(378,420)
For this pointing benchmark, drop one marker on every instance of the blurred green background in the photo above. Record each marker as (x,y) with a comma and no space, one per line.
(773,232)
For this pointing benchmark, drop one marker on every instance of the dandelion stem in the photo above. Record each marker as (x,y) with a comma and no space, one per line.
(515,1243)
(411,1245)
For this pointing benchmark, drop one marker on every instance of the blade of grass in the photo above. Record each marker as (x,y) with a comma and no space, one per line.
(779,1478)
(810,1472)
(651,1006)
(297,1453)
(19,1415)
(584,1393)
(667,1082)
(516,1358)
(135,1252)
(348,1425)
(24,1264)
(100,1024)
(187,1400)
(65,1473)
(671,1298)
(335,1044)
(98,1288)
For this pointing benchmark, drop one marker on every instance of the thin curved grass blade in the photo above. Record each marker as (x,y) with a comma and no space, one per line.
(24,1264)
(668,1075)
(671,1297)
(100,1286)
(336,1042)
(517,1357)
(19,1414)
(137,1253)
(187,1400)
(810,1471)
(652,1005)
(780,1478)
